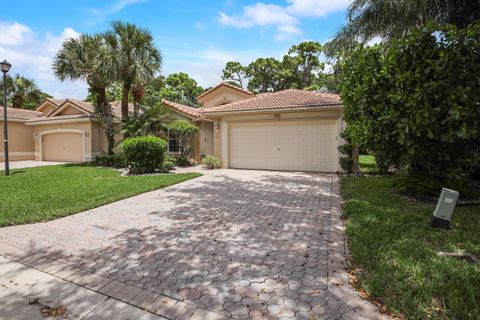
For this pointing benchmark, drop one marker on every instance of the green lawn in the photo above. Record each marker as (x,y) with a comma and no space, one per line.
(45,193)
(391,241)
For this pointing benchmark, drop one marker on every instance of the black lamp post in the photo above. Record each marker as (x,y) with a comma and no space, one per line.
(5,67)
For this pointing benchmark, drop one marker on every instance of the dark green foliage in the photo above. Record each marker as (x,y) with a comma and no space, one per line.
(414,103)
(346,160)
(182,89)
(116,160)
(144,154)
(151,121)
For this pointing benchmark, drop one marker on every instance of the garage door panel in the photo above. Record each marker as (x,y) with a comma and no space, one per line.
(285,146)
(63,146)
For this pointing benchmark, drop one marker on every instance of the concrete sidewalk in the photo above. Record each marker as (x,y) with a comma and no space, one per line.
(26,293)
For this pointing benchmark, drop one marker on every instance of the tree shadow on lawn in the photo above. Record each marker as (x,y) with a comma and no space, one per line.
(231,245)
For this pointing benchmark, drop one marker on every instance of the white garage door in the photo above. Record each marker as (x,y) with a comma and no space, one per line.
(64,146)
(307,146)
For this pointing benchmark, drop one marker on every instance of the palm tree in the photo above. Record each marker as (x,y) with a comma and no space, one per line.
(89,58)
(153,120)
(387,19)
(23,91)
(136,59)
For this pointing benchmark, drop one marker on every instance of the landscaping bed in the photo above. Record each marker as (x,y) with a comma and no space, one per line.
(395,252)
(46,193)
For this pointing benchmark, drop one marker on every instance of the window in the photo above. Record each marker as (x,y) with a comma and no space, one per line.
(173,143)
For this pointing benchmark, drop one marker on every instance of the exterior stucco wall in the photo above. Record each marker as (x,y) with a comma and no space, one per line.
(205,138)
(20,141)
(221,96)
(221,136)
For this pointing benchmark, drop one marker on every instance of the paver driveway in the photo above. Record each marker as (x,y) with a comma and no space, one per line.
(240,244)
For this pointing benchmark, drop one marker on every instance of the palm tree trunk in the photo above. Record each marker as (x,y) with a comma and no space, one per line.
(103,111)
(125,93)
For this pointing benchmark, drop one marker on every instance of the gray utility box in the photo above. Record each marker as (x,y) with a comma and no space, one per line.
(445,207)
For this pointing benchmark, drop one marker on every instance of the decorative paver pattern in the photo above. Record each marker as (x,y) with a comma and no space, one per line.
(233,243)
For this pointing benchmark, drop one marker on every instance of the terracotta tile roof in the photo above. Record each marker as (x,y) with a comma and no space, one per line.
(286,99)
(190,111)
(225,84)
(20,114)
(56,102)
(88,107)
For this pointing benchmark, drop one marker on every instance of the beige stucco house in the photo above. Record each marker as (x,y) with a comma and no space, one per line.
(288,130)
(294,130)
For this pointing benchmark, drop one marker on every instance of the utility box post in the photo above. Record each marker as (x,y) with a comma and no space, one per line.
(444,210)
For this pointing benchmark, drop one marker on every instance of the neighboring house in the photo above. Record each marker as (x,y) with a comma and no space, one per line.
(288,130)
(59,130)
(69,131)
(21,145)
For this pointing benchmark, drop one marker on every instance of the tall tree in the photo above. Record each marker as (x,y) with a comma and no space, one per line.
(235,73)
(136,58)
(304,61)
(89,58)
(389,19)
(263,74)
(181,88)
(23,92)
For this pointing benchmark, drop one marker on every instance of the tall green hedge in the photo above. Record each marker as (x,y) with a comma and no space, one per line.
(415,103)
(144,154)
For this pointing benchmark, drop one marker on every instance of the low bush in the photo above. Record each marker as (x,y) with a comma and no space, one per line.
(211,162)
(169,162)
(144,154)
(116,160)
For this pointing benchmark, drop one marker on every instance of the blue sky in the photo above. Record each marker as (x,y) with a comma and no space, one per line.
(197,37)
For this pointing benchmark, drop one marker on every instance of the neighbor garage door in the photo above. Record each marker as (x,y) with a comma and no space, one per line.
(64,146)
(308,146)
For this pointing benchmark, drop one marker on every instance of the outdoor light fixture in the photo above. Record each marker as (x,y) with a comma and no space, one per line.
(444,210)
(5,67)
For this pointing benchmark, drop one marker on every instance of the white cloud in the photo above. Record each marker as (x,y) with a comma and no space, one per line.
(14,34)
(32,56)
(284,18)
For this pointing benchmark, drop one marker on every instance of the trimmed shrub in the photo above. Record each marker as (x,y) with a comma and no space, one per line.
(346,160)
(144,154)
(211,162)
(169,162)
(116,160)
